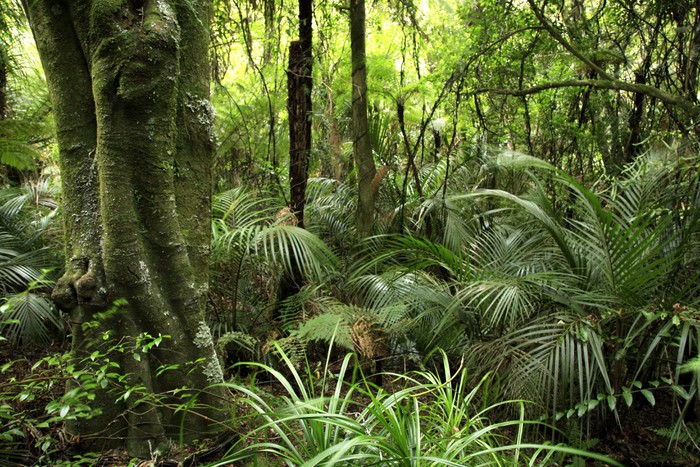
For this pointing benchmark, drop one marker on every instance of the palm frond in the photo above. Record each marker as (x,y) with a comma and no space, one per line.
(556,360)
(330,213)
(26,215)
(29,319)
(620,255)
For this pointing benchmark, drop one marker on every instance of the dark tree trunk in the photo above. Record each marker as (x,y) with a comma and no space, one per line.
(690,83)
(635,122)
(129,83)
(299,87)
(3,82)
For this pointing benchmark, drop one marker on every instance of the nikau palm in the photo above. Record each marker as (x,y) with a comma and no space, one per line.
(543,296)
(27,264)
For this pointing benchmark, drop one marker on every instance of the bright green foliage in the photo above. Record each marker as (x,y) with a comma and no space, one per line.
(25,120)
(575,308)
(257,237)
(337,419)
(28,263)
(34,406)
(573,271)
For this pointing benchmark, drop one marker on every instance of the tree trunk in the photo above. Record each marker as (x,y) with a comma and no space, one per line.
(362,148)
(635,123)
(129,83)
(3,81)
(690,82)
(269,15)
(299,86)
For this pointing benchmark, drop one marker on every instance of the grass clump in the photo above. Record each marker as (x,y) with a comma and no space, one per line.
(427,418)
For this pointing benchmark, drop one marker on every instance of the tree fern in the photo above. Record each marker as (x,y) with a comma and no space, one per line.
(328,327)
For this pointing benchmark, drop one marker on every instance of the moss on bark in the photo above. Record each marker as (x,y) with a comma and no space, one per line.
(362,147)
(130,88)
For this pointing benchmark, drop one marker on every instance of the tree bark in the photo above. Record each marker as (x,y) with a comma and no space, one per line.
(362,148)
(299,87)
(3,81)
(690,82)
(129,82)
(635,122)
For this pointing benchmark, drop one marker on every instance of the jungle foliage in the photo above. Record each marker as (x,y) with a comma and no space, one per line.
(531,274)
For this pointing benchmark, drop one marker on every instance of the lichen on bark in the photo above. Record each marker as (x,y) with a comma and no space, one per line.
(130,89)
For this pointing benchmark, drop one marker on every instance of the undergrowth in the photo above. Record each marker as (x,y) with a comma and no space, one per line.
(332,416)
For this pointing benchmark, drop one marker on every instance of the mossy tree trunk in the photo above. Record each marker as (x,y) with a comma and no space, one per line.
(129,83)
(361,144)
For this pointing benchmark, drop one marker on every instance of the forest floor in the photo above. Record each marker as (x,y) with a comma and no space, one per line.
(636,442)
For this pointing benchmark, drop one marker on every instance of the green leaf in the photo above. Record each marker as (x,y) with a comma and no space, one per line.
(582,409)
(680,391)
(691,366)
(650,397)
(612,402)
(64,411)
(627,395)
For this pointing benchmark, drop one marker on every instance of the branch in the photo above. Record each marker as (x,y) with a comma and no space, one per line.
(559,38)
(691,109)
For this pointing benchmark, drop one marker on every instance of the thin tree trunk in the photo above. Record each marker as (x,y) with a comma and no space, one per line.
(299,87)
(269,15)
(690,83)
(635,122)
(299,131)
(3,82)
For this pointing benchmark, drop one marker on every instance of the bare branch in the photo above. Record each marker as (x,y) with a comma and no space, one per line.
(690,108)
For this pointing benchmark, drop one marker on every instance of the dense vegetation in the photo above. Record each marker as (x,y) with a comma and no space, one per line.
(527,292)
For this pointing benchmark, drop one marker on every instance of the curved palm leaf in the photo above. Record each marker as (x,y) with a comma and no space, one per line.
(621,257)
(26,215)
(29,318)
(409,303)
(330,213)
(254,237)
(557,361)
